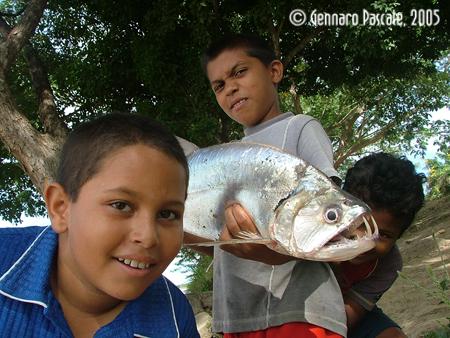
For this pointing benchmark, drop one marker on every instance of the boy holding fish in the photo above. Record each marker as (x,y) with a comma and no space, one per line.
(257,291)
(394,191)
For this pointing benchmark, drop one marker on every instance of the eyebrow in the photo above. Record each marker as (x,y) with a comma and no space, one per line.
(231,71)
(122,190)
(131,193)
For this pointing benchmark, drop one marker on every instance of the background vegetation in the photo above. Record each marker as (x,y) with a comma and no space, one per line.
(63,62)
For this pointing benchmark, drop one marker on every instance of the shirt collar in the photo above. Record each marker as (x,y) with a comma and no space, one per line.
(28,278)
(150,315)
(252,130)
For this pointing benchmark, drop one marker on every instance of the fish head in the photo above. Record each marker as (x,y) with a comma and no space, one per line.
(319,221)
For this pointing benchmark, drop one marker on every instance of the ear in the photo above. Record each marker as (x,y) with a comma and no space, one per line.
(276,71)
(58,206)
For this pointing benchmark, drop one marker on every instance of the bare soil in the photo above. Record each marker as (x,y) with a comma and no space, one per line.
(409,301)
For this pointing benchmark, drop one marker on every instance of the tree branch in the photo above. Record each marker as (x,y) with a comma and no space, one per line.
(47,107)
(47,111)
(275,35)
(21,32)
(302,44)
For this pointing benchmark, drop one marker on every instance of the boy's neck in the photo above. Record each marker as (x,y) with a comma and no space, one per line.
(85,312)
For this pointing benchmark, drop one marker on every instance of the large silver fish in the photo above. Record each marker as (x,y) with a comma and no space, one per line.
(296,208)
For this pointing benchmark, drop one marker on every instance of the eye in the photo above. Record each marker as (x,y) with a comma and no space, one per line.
(331,215)
(240,72)
(217,88)
(168,215)
(121,206)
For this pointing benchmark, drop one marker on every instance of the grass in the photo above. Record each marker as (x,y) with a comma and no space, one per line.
(439,290)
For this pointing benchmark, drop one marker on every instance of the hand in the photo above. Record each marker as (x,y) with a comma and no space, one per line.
(237,219)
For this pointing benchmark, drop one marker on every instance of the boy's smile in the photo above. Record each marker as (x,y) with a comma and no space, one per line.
(244,87)
(125,226)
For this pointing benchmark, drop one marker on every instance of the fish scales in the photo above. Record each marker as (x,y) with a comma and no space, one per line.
(296,208)
(224,173)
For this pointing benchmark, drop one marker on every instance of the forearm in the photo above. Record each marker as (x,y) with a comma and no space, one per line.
(354,311)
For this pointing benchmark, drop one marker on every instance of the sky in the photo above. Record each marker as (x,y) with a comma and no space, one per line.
(180,278)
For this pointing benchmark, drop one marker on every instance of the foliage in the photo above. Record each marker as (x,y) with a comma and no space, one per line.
(381,113)
(200,269)
(369,86)
(439,176)
(17,193)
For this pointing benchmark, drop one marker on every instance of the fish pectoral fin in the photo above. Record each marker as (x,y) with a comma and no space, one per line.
(258,240)
(248,235)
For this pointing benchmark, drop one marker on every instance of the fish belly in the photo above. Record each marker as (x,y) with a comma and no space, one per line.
(256,176)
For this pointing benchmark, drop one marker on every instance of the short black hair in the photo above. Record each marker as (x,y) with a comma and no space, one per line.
(91,142)
(254,46)
(389,183)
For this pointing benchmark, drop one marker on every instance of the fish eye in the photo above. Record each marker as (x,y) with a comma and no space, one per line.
(331,215)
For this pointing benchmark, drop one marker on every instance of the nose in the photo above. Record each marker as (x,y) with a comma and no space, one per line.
(231,87)
(144,233)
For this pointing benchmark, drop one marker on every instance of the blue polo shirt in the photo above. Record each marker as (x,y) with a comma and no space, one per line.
(28,307)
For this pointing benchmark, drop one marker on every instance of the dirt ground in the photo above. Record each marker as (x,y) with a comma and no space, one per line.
(408,304)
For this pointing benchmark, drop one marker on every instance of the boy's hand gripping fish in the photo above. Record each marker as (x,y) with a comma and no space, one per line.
(297,209)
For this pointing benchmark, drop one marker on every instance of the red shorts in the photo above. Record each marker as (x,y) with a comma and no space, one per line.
(289,330)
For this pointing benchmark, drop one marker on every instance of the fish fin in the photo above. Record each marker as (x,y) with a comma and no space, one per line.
(258,240)
(248,235)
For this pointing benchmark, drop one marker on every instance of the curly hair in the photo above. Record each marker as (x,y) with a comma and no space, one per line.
(389,183)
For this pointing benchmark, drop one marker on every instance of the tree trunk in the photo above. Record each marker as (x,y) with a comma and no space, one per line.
(36,152)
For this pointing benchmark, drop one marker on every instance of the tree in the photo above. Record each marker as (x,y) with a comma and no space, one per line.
(78,59)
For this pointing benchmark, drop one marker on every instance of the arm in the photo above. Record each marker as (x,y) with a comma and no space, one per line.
(315,147)
(237,219)
(364,294)
(354,311)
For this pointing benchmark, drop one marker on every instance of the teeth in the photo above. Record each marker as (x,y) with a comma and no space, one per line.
(375,225)
(238,103)
(134,263)
(369,230)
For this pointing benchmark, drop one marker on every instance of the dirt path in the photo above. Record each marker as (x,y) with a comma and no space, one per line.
(412,308)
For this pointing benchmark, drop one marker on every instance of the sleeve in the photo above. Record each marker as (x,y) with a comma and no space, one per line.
(188,147)
(368,291)
(314,146)
(183,311)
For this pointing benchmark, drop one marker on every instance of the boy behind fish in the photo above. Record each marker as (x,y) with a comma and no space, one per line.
(394,191)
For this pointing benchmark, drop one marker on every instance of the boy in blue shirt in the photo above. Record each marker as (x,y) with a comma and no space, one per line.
(116,210)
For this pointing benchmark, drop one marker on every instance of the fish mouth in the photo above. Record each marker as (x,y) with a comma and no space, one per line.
(358,238)
(353,232)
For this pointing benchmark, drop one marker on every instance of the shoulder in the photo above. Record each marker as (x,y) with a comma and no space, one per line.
(178,298)
(182,309)
(168,293)
(392,261)
(13,243)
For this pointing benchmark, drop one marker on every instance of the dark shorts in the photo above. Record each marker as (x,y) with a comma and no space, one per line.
(373,323)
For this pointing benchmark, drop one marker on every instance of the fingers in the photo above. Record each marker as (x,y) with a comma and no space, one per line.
(237,219)
(243,219)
